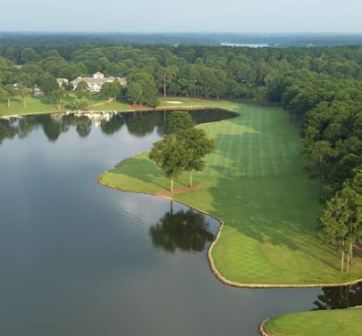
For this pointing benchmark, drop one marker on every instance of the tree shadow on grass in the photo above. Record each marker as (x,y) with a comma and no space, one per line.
(269,218)
(262,192)
(141,168)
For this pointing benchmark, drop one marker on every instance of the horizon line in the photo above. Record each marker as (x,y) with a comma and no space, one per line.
(174,32)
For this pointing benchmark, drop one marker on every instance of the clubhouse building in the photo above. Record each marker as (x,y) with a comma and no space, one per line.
(94,83)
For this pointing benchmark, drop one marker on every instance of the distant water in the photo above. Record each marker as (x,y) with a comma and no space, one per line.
(77,258)
(179,39)
(247,45)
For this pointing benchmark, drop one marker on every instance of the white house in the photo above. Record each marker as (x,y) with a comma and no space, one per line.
(62,81)
(96,82)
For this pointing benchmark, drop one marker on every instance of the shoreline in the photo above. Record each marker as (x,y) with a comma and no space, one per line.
(145,109)
(205,104)
(211,261)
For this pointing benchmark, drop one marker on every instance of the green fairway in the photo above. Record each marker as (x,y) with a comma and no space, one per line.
(346,322)
(255,183)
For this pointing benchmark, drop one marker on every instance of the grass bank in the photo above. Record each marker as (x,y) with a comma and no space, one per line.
(42,105)
(344,322)
(255,183)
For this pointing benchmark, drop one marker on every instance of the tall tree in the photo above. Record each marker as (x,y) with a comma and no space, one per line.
(167,74)
(3,94)
(134,93)
(111,91)
(23,92)
(317,157)
(82,90)
(170,155)
(197,146)
(47,83)
(342,221)
(178,121)
(58,96)
(10,93)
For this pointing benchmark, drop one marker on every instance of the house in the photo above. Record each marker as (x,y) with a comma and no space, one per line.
(96,82)
(62,81)
(37,91)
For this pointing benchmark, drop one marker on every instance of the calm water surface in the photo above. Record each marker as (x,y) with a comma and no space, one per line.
(77,258)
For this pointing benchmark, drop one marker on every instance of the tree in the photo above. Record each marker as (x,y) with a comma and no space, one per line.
(167,74)
(28,55)
(23,92)
(169,154)
(82,90)
(2,93)
(197,146)
(135,93)
(342,219)
(78,104)
(178,121)
(317,158)
(10,93)
(146,82)
(48,83)
(57,96)
(111,91)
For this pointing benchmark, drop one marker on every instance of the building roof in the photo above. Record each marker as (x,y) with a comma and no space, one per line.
(101,81)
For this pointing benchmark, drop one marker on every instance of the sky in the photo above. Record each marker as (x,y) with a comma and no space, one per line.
(241,16)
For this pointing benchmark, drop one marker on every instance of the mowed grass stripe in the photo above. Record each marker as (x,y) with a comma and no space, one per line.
(255,183)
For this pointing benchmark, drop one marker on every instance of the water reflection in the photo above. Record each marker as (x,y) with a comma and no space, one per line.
(112,125)
(186,230)
(138,124)
(339,297)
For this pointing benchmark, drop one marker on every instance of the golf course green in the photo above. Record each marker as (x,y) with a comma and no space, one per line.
(346,322)
(255,184)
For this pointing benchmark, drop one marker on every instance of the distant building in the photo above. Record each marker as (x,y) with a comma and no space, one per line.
(62,81)
(37,91)
(96,82)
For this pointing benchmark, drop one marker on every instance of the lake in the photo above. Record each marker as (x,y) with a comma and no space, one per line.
(77,258)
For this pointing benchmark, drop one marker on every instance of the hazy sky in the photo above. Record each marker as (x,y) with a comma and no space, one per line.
(182,15)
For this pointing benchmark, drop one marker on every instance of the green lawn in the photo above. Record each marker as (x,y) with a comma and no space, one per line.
(347,322)
(38,105)
(33,106)
(255,183)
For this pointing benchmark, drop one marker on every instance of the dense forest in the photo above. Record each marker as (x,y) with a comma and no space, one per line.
(320,87)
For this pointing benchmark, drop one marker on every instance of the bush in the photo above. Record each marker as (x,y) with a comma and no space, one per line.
(79,104)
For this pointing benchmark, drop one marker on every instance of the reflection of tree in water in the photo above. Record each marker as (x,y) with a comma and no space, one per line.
(7,130)
(340,297)
(51,127)
(83,126)
(142,123)
(184,230)
(113,125)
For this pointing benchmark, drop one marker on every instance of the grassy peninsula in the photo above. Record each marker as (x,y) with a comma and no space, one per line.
(255,183)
